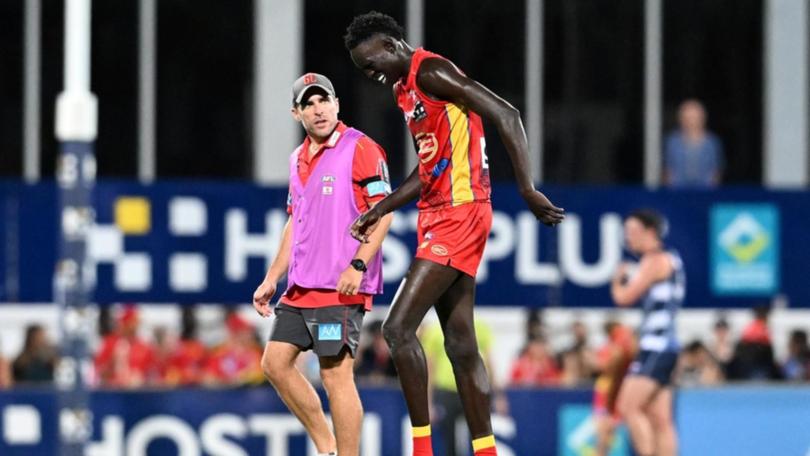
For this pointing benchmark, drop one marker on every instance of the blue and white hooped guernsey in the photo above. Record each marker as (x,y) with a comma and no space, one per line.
(660,306)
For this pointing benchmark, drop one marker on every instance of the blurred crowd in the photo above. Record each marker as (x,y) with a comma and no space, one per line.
(125,357)
(718,359)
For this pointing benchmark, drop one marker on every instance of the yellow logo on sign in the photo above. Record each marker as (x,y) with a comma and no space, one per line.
(133,215)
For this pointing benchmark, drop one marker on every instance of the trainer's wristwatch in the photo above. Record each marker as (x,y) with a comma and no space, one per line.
(358,265)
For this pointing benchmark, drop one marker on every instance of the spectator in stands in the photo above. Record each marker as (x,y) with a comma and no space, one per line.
(106,323)
(757,330)
(797,366)
(693,156)
(188,360)
(164,346)
(535,326)
(722,347)
(374,363)
(124,359)
(446,407)
(38,358)
(5,372)
(535,366)
(237,361)
(572,371)
(753,357)
(697,367)
(578,360)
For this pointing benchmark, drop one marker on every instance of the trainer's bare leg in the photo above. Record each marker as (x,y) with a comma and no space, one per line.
(424,283)
(337,373)
(278,364)
(660,413)
(455,311)
(635,395)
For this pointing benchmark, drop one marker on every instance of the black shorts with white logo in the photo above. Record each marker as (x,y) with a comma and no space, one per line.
(325,330)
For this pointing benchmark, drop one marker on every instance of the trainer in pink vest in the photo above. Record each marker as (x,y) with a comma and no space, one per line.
(322,211)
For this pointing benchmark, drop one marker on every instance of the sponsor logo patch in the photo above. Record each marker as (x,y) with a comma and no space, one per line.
(439,250)
(330,331)
(440,167)
(378,188)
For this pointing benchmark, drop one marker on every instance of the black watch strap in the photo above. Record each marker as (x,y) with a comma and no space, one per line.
(358,265)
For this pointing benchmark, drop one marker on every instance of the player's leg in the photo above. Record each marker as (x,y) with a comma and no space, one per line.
(660,413)
(278,364)
(419,291)
(337,373)
(290,336)
(455,310)
(605,427)
(634,397)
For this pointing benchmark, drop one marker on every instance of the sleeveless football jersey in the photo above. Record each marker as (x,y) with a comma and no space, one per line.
(450,140)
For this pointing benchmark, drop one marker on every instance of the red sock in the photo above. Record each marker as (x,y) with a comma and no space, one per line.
(421,441)
(485,446)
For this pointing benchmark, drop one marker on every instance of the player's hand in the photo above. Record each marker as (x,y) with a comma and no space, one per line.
(622,273)
(543,209)
(349,281)
(362,228)
(262,296)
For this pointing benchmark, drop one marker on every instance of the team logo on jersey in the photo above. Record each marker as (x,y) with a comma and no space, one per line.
(428,146)
(327,188)
(417,111)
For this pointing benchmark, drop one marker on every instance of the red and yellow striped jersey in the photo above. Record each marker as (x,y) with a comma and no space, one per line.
(453,164)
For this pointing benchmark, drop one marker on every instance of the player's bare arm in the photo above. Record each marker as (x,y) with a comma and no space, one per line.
(442,80)
(653,268)
(367,223)
(265,291)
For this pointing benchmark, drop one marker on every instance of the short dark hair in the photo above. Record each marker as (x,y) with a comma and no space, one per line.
(651,218)
(694,347)
(367,25)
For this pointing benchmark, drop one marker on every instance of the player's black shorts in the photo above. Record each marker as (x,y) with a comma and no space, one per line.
(325,330)
(656,365)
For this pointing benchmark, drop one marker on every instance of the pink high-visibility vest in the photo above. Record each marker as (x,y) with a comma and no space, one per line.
(322,212)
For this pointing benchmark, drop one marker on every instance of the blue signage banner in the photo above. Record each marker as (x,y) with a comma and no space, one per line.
(577,433)
(744,421)
(195,241)
(745,249)
(254,422)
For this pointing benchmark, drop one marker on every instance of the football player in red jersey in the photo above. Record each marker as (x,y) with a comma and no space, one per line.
(441,107)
